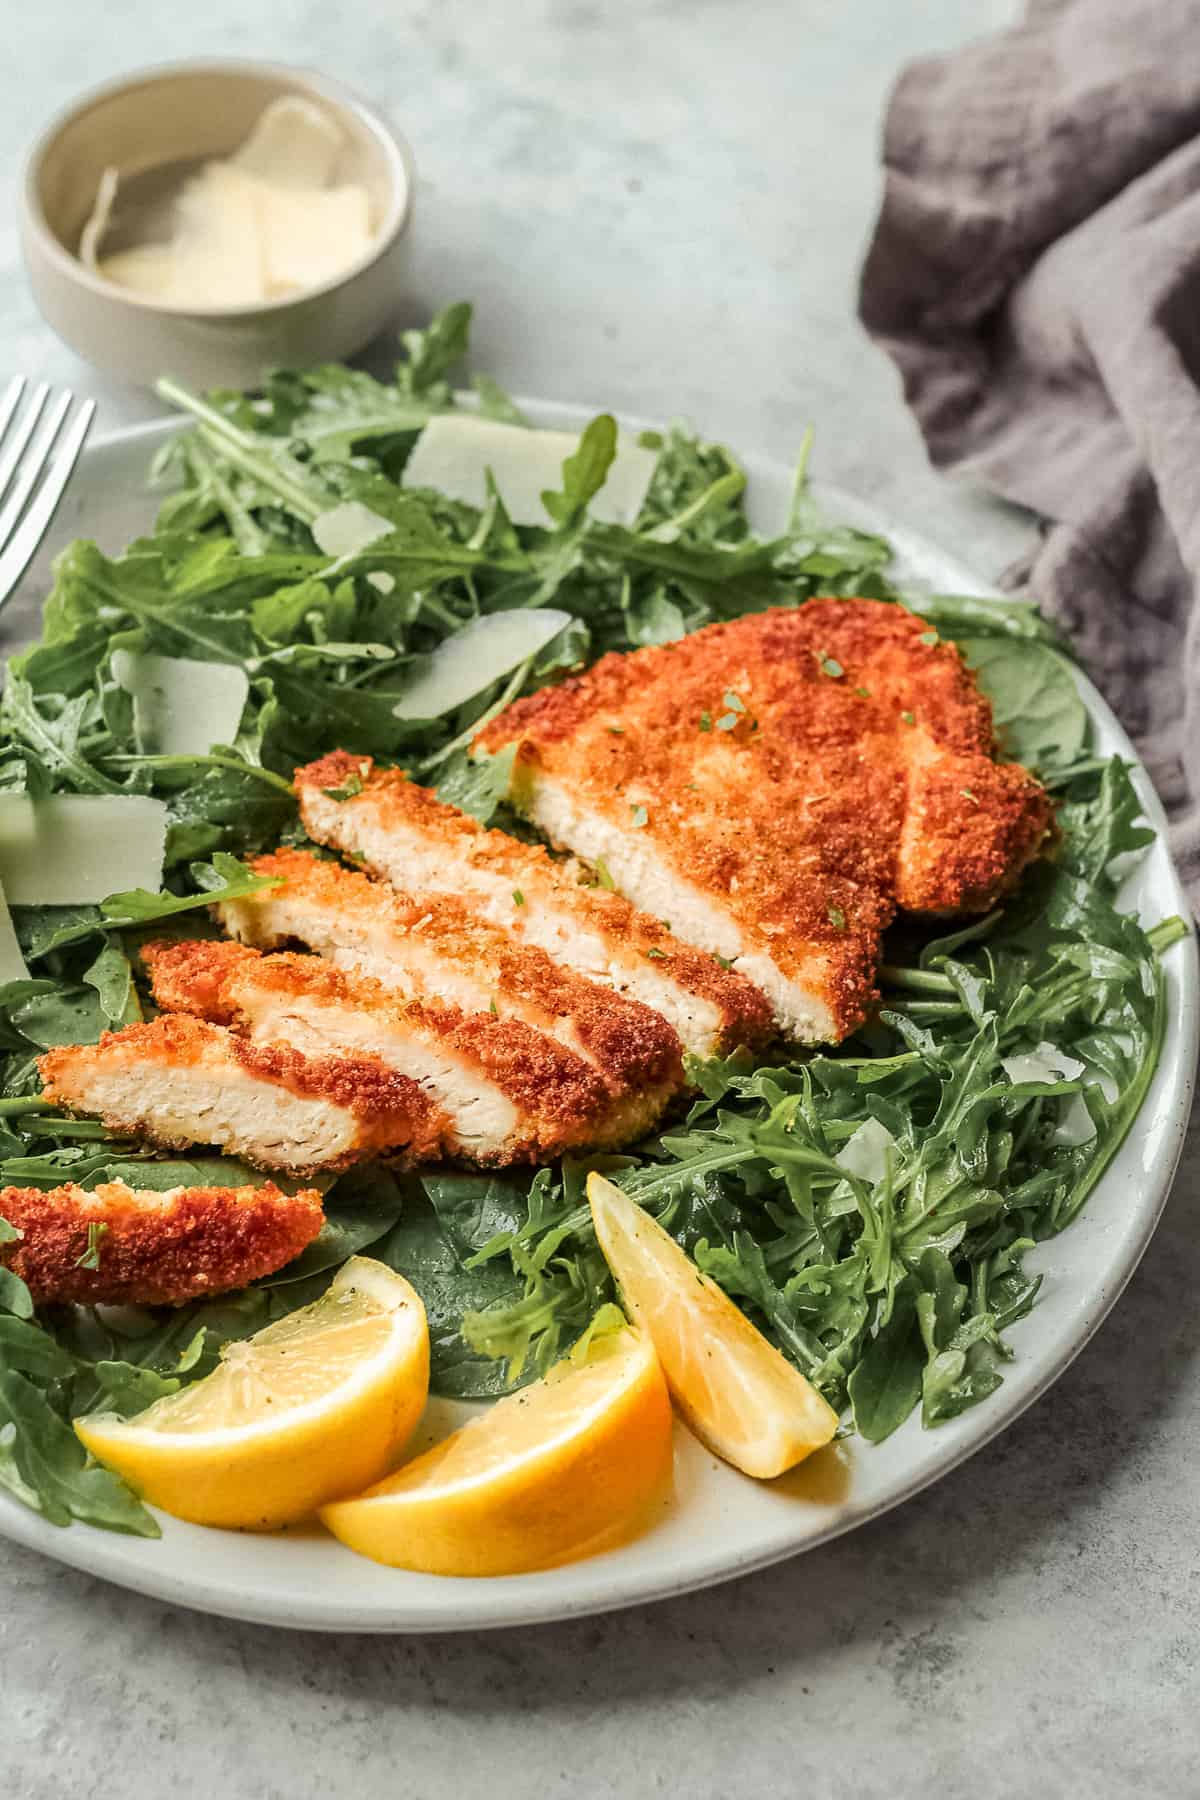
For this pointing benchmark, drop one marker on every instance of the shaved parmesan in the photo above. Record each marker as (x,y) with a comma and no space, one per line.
(308,238)
(865,1154)
(12,963)
(98,222)
(1046,1063)
(1077,1125)
(294,144)
(464,664)
(77,849)
(267,222)
(181,707)
(348,528)
(455,451)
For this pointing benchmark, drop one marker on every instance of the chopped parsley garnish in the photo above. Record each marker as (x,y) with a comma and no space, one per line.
(350,787)
(928,637)
(863,693)
(615,730)
(723,960)
(603,876)
(493,1008)
(705,721)
(908,718)
(518,897)
(830,666)
(640,816)
(727,722)
(733,703)
(96,1232)
(837,917)
(970,794)
(656,953)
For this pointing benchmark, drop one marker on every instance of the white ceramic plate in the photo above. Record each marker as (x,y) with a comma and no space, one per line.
(719,1523)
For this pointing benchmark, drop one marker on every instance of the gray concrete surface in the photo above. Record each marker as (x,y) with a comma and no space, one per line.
(660,206)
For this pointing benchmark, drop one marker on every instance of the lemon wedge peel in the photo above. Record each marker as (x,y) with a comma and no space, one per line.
(739,1395)
(275,1467)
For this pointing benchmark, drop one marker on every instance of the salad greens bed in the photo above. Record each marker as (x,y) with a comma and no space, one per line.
(888,1272)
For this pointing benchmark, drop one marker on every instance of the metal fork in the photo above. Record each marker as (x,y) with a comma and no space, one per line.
(33,472)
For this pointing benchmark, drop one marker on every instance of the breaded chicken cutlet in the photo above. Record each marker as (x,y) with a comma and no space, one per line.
(404,833)
(778,787)
(152,1248)
(510,1093)
(434,950)
(179,1081)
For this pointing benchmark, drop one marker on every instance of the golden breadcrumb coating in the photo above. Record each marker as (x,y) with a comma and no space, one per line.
(511,1093)
(435,950)
(406,834)
(152,1248)
(784,782)
(178,1081)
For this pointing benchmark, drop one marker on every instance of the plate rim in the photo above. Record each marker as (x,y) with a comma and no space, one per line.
(108,1555)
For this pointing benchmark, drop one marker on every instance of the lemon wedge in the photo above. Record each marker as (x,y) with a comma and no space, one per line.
(558,1470)
(738,1394)
(314,1406)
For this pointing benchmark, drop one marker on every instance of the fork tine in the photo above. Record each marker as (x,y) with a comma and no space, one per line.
(19,553)
(8,405)
(25,424)
(32,467)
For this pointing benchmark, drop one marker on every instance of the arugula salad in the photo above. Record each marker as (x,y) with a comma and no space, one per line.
(870,1207)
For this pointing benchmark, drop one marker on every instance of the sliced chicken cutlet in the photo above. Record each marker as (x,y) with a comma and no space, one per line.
(406,834)
(433,950)
(511,1093)
(152,1248)
(179,1081)
(777,787)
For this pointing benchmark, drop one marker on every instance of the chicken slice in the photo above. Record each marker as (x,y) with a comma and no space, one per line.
(433,950)
(406,834)
(151,1248)
(178,1081)
(777,787)
(511,1093)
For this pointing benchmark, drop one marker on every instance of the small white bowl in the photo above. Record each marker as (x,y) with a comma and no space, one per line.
(182,113)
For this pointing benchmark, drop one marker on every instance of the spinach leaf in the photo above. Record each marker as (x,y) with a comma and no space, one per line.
(432,1246)
(1039,716)
(885,1383)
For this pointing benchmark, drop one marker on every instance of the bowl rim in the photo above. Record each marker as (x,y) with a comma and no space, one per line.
(308,82)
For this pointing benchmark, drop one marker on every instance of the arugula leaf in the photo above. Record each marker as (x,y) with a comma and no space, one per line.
(225,878)
(40,1457)
(111,975)
(584,472)
(477,786)
(892,1289)
(54,735)
(432,353)
(971,615)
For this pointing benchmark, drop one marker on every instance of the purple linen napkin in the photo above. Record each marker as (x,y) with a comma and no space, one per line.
(1035,274)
